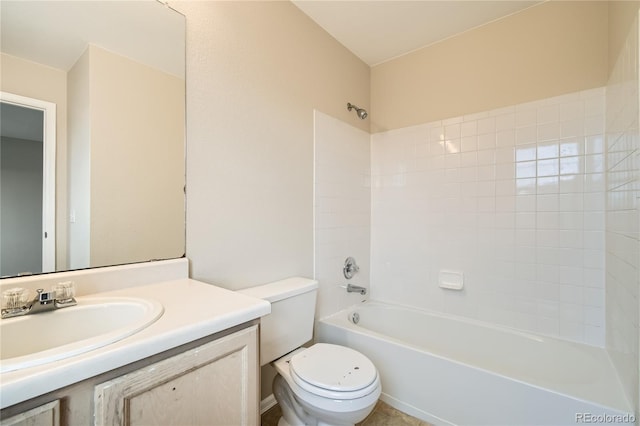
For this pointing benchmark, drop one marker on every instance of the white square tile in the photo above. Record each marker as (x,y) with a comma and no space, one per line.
(594,163)
(525,220)
(546,150)
(486,141)
(505,171)
(452,146)
(489,173)
(548,185)
(572,128)
(549,113)
(526,152)
(571,165)
(525,202)
(594,182)
(594,335)
(468,128)
(526,169)
(452,131)
(571,275)
(526,135)
(505,121)
(594,201)
(506,137)
(571,294)
(549,131)
(526,118)
(571,111)
(594,125)
(570,147)
(486,125)
(486,157)
(570,220)
(522,202)
(505,155)
(548,167)
(571,183)
(526,186)
(571,202)
(594,144)
(468,175)
(468,143)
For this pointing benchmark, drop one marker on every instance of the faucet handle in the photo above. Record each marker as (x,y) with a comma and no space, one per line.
(15,298)
(350,268)
(64,294)
(64,291)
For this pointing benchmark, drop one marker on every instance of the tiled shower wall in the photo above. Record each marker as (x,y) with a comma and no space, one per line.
(341,209)
(514,199)
(622,218)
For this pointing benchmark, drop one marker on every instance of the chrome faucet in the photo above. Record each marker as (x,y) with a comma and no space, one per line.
(356,289)
(15,300)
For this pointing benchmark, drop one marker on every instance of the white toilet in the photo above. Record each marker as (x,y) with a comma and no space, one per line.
(324,384)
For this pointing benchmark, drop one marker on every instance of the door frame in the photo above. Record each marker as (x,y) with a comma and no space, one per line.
(48,173)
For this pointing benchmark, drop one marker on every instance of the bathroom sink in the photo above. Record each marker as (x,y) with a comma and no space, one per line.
(94,322)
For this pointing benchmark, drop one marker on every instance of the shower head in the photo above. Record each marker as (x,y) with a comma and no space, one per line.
(362,113)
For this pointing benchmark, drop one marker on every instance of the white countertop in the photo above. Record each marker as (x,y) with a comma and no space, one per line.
(192,310)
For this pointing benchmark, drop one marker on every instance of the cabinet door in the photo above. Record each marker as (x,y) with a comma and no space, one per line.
(213,384)
(44,415)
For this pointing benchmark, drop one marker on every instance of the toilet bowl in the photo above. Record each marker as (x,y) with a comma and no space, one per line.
(323,385)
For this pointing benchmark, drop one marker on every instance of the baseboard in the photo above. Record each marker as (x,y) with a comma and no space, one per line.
(267,403)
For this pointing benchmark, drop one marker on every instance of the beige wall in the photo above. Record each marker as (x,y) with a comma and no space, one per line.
(127,158)
(255,72)
(33,80)
(554,48)
(79,160)
(137,161)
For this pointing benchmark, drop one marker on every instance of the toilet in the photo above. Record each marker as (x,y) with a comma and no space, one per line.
(325,384)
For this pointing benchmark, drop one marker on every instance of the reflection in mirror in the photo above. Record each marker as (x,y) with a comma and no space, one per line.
(27,185)
(114,72)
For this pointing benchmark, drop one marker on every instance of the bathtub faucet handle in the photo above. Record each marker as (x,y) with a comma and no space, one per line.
(356,289)
(350,268)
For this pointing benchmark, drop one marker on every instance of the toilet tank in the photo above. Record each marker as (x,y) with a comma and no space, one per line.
(290,323)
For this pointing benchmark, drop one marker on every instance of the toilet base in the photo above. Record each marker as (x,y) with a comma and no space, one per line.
(283,422)
(294,414)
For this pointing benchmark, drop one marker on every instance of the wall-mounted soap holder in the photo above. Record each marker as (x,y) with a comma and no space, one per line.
(451,280)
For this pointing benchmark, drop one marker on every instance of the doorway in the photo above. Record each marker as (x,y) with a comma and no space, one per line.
(27,185)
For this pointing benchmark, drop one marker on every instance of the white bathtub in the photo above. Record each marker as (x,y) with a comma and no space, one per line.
(448,370)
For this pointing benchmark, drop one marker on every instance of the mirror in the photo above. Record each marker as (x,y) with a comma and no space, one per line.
(113,72)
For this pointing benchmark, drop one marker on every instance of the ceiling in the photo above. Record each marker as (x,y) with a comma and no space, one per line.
(379,30)
(56,33)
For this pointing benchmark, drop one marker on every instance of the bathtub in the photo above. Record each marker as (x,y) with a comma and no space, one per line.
(448,370)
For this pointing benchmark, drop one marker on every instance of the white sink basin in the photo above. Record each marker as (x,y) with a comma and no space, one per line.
(94,322)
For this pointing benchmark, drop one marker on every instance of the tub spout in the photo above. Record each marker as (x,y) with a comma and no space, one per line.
(356,289)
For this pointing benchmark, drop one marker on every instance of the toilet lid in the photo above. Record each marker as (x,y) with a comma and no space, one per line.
(333,367)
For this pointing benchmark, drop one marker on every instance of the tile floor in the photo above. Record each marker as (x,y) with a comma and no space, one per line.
(382,415)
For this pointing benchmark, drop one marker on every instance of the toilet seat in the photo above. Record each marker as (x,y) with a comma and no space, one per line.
(334,372)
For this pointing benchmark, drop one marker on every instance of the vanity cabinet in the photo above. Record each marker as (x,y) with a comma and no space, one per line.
(211,381)
(208,385)
(43,415)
